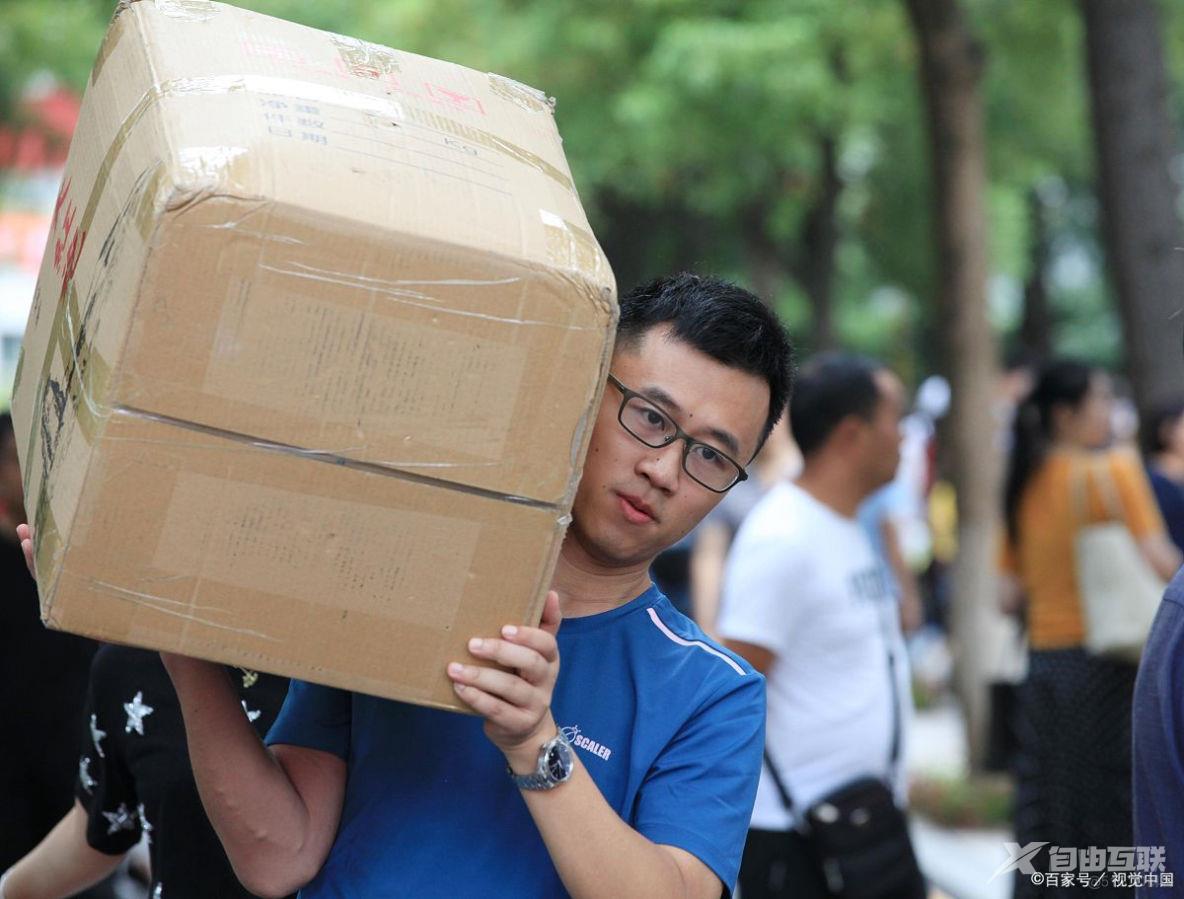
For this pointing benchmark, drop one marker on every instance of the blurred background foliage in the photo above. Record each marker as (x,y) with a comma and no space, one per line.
(782,144)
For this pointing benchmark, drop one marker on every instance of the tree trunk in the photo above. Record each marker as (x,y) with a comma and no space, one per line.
(766,273)
(1140,225)
(815,269)
(951,67)
(1037,324)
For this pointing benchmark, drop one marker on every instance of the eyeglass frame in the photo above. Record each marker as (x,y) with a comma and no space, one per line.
(679,434)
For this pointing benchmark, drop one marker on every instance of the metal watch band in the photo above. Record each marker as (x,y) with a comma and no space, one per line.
(541,778)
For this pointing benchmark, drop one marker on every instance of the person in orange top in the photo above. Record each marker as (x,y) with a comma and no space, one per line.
(1074,770)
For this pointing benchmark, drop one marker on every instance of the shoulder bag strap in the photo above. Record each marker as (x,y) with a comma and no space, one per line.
(777,782)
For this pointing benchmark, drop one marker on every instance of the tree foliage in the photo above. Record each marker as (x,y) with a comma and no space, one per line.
(779,143)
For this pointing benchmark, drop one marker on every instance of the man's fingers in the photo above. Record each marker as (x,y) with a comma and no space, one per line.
(531,664)
(494,710)
(552,616)
(541,641)
(25,534)
(502,685)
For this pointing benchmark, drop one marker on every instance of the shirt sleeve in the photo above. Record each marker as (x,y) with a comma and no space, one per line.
(699,794)
(758,603)
(1134,492)
(105,786)
(315,717)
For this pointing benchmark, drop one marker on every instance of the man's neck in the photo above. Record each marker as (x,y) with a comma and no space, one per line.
(833,486)
(586,587)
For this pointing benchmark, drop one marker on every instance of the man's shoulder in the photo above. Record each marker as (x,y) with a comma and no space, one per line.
(676,638)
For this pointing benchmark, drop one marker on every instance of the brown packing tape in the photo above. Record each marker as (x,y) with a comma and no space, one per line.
(365,59)
(47,545)
(91,375)
(110,42)
(191,10)
(97,189)
(521,95)
(570,246)
(145,215)
(475,135)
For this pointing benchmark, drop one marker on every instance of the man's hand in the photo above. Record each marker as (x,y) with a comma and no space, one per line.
(24,533)
(515,704)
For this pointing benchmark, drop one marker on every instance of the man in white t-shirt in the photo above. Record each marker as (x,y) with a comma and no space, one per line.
(807,603)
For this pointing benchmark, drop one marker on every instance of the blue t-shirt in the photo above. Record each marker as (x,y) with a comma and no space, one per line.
(1169,496)
(1158,729)
(669,725)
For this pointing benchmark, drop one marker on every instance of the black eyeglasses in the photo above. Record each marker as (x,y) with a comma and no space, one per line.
(715,470)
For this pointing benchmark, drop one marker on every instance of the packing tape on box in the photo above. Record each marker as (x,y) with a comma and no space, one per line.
(522,95)
(333,459)
(309,91)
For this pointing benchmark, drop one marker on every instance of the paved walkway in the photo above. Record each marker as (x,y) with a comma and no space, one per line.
(958,863)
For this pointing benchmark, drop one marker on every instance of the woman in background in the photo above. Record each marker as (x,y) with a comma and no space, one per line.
(1074,768)
(1163,447)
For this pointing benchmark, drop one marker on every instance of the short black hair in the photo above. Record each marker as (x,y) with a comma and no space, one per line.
(6,431)
(721,320)
(830,388)
(1154,423)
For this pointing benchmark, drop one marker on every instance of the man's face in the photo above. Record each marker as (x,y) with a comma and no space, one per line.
(881,445)
(633,501)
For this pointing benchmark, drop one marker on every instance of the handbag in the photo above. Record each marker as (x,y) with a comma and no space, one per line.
(857,834)
(1120,593)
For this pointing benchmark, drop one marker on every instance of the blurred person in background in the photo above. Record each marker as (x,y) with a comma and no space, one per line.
(43,677)
(132,779)
(807,602)
(1163,448)
(778,459)
(1073,778)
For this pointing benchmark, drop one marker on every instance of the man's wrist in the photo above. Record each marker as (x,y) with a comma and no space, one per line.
(523,758)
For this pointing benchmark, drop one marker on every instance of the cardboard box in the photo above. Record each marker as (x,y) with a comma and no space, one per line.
(308,378)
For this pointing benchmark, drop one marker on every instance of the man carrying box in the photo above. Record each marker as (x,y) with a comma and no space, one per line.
(632,766)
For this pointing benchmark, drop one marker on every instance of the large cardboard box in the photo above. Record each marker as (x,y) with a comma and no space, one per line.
(310,372)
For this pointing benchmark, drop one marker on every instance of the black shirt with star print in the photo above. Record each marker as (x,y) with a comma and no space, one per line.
(134,775)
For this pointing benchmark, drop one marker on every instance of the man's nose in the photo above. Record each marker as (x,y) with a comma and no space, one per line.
(662,466)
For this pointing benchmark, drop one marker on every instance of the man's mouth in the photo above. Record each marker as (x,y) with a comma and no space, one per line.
(635,510)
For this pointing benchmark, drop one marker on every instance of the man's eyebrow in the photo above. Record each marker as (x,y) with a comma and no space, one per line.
(667,402)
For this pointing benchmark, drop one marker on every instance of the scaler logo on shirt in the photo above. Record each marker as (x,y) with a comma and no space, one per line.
(575,738)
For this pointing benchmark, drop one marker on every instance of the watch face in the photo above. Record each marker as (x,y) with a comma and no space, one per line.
(558,761)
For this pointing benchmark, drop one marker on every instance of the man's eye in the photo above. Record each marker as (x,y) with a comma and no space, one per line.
(711,457)
(654,419)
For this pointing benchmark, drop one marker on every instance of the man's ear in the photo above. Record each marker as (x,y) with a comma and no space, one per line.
(847,432)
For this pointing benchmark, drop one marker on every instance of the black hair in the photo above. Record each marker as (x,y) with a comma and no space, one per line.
(6,431)
(1060,383)
(1153,424)
(721,320)
(830,388)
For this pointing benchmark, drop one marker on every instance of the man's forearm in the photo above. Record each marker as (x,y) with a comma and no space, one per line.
(252,804)
(598,855)
(62,864)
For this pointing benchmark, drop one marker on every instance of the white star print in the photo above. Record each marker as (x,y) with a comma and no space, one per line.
(97,735)
(144,825)
(88,782)
(120,819)
(136,713)
(251,716)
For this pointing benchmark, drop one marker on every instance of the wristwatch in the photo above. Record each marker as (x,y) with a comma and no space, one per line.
(556,762)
